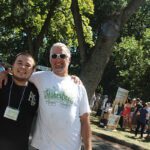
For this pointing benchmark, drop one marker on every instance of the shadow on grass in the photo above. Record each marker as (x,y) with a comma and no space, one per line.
(146,140)
(94,119)
(126,130)
(131,137)
(95,122)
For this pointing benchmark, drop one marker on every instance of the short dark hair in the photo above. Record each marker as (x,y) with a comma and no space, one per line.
(138,99)
(144,105)
(129,100)
(25,54)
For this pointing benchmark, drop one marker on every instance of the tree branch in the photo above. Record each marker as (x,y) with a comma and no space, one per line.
(45,27)
(130,10)
(29,37)
(79,30)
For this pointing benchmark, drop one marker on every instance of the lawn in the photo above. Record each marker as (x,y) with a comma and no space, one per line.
(119,134)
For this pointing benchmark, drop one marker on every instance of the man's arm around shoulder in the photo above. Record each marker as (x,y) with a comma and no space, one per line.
(3,77)
(86,131)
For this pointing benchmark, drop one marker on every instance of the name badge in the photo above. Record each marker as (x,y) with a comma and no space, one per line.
(11,113)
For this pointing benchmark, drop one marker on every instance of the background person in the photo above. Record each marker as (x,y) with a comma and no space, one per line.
(141,120)
(148,120)
(126,113)
(93,101)
(137,107)
(103,106)
(133,105)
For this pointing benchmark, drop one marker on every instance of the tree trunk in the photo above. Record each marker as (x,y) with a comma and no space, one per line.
(92,70)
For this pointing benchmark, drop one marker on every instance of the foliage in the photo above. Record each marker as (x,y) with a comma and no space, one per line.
(137,24)
(21,19)
(34,25)
(130,62)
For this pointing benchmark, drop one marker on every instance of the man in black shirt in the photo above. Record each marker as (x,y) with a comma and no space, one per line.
(18,105)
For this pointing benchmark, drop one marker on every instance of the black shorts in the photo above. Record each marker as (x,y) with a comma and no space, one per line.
(147,122)
(99,112)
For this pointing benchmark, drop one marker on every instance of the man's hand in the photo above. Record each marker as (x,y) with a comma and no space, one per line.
(76,79)
(3,77)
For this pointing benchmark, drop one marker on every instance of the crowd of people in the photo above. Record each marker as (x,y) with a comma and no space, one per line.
(103,107)
(134,113)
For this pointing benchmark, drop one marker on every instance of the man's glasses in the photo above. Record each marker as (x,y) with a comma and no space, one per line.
(63,56)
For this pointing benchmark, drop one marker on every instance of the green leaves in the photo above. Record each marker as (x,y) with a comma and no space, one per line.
(132,59)
(86,6)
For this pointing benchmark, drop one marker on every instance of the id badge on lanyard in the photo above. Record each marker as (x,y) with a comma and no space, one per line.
(11,113)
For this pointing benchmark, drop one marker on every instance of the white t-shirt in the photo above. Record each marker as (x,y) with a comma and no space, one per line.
(148,109)
(93,99)
(104,103)
(61,104)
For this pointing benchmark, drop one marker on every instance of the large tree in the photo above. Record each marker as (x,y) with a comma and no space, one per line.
(93,67)
(37,23)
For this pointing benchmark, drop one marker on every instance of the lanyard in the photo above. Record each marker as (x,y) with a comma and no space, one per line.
(21,96)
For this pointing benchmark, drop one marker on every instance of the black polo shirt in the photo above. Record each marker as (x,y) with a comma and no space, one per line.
(14,135)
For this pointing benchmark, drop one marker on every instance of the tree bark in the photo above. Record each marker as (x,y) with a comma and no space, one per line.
(79,29)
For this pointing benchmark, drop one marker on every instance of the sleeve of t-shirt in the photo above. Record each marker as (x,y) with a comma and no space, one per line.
(84,103)
(35,78)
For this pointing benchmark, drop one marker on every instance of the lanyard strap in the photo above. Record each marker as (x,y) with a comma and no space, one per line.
(21,96)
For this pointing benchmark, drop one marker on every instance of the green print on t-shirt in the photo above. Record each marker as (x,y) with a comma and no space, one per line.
(52,97)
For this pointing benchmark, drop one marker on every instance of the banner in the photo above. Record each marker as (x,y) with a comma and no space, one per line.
(120,99)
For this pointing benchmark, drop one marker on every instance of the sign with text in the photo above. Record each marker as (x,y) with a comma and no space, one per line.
(120,99)
(113,121)
(121,95)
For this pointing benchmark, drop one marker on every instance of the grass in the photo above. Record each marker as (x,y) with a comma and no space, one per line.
(119,134)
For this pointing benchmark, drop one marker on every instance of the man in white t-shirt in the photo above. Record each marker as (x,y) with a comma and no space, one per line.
(63,116)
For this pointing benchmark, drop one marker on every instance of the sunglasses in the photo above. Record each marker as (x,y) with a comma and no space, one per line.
(62,56)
